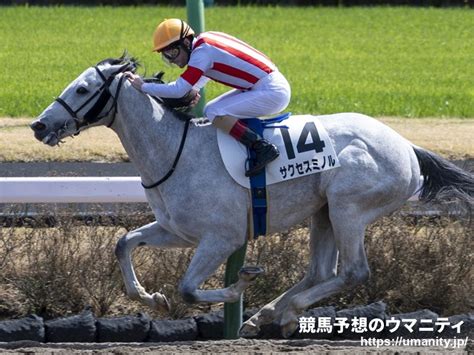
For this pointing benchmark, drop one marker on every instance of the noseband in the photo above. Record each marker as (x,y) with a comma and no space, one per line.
(93,115)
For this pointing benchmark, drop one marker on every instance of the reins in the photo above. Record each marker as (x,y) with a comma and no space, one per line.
(178,155)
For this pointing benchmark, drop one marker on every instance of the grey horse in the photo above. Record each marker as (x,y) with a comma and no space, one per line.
(201,206)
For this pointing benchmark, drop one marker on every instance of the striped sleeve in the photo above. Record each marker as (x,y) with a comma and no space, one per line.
(192,75)
(201,83)
(175,89)
(199,63)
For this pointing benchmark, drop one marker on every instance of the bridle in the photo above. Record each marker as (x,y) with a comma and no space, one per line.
(93,115)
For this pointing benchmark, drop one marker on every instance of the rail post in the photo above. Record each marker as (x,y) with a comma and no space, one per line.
(195,12)
(232,311)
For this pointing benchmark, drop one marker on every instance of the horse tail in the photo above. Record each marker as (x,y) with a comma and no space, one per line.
(442,178)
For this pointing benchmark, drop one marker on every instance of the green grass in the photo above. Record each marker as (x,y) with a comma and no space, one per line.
(413,62)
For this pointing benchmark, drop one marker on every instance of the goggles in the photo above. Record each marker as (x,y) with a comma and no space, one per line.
(168,55)
(171,53)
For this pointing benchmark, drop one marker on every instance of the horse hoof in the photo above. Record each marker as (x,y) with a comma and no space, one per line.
(161,302)
(267,315)
(250,273)
(288,327)
(248,330)
(288,324)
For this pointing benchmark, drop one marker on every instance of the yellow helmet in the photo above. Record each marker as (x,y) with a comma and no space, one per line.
(170,31)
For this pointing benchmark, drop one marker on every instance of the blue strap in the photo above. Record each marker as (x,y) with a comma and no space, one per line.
(276,119)
(258,182)
(258,187)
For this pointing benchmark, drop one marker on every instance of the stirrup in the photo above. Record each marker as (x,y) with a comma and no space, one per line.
(253,169)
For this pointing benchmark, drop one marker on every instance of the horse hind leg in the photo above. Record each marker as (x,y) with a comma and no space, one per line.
(361,191)
(354,270)
(323,265)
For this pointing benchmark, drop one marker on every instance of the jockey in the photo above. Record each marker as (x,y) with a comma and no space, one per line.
(259,88)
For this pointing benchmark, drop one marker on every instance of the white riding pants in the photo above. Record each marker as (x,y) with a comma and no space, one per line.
(269,96)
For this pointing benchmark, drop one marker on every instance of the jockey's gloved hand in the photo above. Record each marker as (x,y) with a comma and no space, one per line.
(135,80)
(195,96)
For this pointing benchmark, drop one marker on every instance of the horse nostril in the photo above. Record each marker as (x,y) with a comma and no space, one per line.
(37,126)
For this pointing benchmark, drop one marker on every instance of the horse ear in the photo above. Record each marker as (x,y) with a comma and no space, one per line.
(128,63)
(131,63)
(159,77)
(131,66)
(156,78)
(116,61)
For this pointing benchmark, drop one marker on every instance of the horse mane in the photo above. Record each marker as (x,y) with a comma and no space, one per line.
(180,107)
(131,63)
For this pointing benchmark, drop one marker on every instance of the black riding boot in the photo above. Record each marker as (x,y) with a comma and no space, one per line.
(265,152)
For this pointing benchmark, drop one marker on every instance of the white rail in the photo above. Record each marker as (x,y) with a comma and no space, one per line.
(76,190)
(71,190)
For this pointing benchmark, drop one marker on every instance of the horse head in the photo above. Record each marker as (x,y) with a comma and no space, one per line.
(88,101)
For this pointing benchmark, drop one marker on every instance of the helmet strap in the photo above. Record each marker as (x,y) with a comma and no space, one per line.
(182,35)
(181,45)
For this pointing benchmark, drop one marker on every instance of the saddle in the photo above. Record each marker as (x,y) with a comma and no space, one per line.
(305,149)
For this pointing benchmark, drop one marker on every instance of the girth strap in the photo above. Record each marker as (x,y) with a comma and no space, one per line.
(258,188)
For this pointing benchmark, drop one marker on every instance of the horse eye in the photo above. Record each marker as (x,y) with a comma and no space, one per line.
(82,90)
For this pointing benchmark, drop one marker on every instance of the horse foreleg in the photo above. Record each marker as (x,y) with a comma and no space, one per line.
(349,228)
(210,254)
(323,265)
(149,235)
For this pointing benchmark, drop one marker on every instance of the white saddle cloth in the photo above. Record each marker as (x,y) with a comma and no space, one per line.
(304,145)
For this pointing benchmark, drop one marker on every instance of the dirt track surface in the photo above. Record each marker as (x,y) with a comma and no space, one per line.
(238,346)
